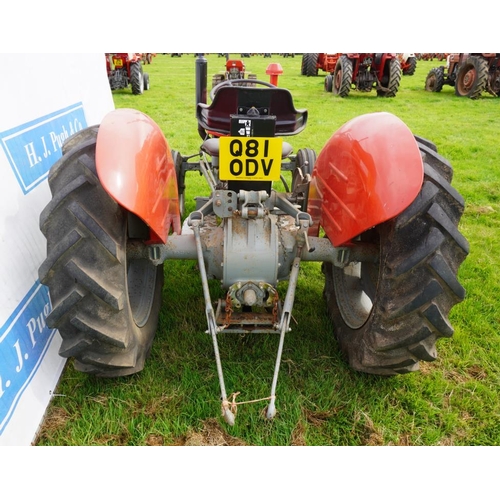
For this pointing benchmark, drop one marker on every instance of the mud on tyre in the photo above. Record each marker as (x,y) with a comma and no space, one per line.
(472,77)
(105,302)
(435,79)
(388,315)
(391,79)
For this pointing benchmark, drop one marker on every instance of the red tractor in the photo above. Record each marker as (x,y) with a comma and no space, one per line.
(470,74)
(408,63)
(312,63)
(375,207)
(431,56)
(364,72)
(235,70)
(126,69)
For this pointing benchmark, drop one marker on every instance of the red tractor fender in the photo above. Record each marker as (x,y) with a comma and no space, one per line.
(368,172)
(135,167)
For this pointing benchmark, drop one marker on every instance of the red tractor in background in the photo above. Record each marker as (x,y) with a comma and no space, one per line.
(126,69)
(235,70)
(470,73)
(312,63)
(364,72)
(431,56)
(408,63)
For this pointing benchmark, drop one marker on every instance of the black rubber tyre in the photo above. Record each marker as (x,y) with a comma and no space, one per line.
(342,77)
(146,81)
(329,83)
(136,78)
(388,315)
(309,65)
(250,78)
(429,153)
(391,79)
(472,77)
(87,134)
(412,66)
(181,187)
(435,79)
(217,78)
(494,82)
(104,302)
(304,164)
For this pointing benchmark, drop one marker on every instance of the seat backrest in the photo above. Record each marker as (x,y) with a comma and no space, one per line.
(237,100)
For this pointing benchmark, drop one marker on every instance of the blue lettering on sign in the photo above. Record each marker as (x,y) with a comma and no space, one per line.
(32,148)
(24,340)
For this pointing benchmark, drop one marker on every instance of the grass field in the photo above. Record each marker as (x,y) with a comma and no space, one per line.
(453,401)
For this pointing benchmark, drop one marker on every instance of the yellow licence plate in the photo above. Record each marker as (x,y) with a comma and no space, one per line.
(118,63)
(250,158)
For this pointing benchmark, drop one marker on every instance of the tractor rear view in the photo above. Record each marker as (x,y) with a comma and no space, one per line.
(312,63)
(125,69)
(365,72)
(471,74)
(408,63)
(375,208)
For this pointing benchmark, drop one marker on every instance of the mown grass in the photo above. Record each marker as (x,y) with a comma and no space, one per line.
(175,399)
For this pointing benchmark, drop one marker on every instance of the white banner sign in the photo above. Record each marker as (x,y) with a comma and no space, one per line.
(46,99)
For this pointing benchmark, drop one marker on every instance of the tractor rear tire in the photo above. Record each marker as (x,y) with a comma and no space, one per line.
(435,79)
(136,78)
(105,303)
(411,67)
(342,77)
(472,77)
(305,160)
(391,79)
(217,78)
(494,83)
(181,179)
(309,65)
(388,315)
(250,77)
(86,134)
(329,83)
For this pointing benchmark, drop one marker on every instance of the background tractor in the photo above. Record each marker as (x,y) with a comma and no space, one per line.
(126,69)
(364,72)
(235,70)
(470,73)
(312,63)
(431,56)
(408,63)
(375,207)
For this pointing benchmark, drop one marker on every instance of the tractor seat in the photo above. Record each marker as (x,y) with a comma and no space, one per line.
(237,100)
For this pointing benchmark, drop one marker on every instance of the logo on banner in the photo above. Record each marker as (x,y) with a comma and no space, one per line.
(24,340)
(32,148)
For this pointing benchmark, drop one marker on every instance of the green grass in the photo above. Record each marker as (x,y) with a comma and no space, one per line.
(175,399)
